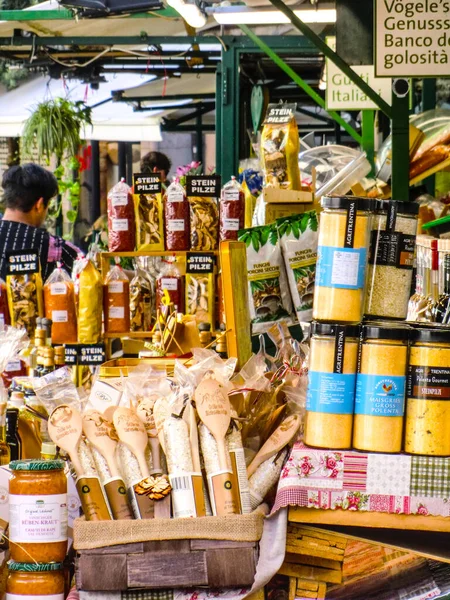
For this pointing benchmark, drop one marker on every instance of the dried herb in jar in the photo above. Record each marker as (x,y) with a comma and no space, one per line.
(147,193)
(232,210)
(203,193)
(176,212)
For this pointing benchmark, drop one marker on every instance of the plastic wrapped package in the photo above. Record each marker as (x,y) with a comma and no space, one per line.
(177,216)
(117,301)
(170,281)
(121,219)
(203,193)
(232,210)
(141,302)
(147,194)
(4,309)
(280,146)
(59,302)
(90,302)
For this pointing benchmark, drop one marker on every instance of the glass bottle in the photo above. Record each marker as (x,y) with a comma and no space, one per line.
(433,278)
(12,433)
(60,357)
(5,454)
(441,311)
(49,362)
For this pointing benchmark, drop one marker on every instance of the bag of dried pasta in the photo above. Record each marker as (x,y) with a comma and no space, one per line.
(90,303)
(24,289)
(59,302)
(280,146)
(148,207)
(116,298)
(141,301)
(200,287)
(203,193)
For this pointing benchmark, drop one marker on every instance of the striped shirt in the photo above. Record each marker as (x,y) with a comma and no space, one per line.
(51,249)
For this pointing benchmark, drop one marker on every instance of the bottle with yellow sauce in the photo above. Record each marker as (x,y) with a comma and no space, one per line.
(427,429)
(344,238)
(380,388)
(331,387)
(29,427)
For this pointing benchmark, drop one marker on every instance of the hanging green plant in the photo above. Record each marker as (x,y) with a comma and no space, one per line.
(55,128)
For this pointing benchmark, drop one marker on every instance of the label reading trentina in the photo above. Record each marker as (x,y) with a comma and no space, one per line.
(22,262)
(428,383)
(207,186)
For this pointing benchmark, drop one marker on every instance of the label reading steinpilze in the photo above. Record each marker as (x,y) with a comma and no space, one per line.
(380,395)
(332,393)
(203,186)
(147,184)
(428,383)
(200,263)
(38,519)
(22,262)
(91,355)
(341,267)
(71,354)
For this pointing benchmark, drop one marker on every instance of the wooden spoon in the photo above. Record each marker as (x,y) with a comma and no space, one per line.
(214,410)
(131,432)
(145,413)
(102,436)
(277,441)
(161,412)
(65,428)
(193,438)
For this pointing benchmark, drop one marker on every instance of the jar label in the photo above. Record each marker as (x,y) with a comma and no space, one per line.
(184,497)
(40,596)
(392,249)
(341,267)
(169,283)
(176,225)
(38,519)
(231,224)
(428,383)
(380,395)
(332,393)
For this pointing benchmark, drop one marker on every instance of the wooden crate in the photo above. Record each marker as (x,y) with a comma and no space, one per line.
(167,564)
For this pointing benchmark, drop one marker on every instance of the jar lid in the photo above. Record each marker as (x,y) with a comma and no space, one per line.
(34,464)
(34,567)
(343,202)
(432,335)
(403,208)
(331,328)
(384,331)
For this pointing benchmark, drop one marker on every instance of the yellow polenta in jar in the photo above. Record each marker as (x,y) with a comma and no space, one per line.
(380,388)
(427,429)
(331,385)
(344,238)
(35,580)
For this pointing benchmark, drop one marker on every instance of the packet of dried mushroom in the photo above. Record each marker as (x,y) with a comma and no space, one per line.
(203,193)
(298,238)
(280,147)
(269,297)
(24,289)
(200,287)
(141,301)
(148,204)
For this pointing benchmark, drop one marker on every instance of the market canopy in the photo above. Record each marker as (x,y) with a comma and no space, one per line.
(110,123)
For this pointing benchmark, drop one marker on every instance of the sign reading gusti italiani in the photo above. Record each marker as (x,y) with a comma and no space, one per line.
(412,38)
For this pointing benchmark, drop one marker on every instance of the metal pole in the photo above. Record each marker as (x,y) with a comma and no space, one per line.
(94,205)
(429,103)
(368,134)
(122,160)
(338,61)
(300,82)
(199,138)
(129,159)
(400,148)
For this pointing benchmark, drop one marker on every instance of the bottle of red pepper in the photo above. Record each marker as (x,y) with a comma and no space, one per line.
(176,213)
(232,210)
(170,280)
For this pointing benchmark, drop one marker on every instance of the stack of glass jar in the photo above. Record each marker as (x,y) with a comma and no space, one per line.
(358,371)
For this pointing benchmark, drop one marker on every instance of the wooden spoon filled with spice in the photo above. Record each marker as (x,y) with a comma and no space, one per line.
(65,428)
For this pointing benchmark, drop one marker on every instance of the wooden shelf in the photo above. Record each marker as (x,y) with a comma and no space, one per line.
(138,335)
(156,253)
(368,519)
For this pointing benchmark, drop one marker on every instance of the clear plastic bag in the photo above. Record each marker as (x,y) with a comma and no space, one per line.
(59,302)
(121,219)
(117,301)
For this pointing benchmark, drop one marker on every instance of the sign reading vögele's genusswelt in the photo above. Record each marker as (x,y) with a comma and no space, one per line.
(412,38)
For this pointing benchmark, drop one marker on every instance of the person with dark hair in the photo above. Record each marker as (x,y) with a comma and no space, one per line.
(157,162)
(27,191)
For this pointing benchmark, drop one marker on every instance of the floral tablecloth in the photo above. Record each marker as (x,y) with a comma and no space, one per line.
(390,483)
